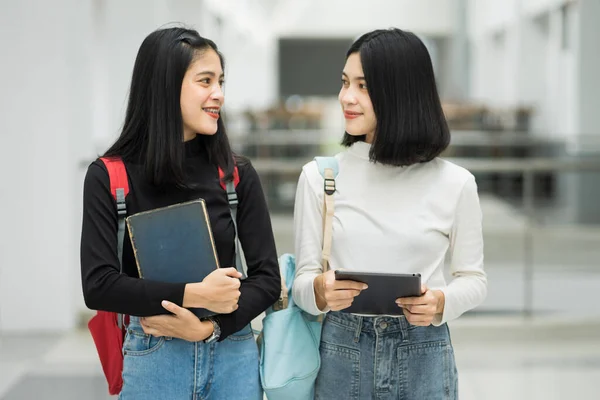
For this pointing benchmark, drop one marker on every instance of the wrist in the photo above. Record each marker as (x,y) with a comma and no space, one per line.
(318,289)
(215,332)
(192,295)
(441,301)
(204,331)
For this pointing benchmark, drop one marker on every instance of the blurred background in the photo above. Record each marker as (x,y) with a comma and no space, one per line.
(520,89)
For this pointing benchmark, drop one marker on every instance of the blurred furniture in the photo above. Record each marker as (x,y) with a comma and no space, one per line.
(514,145)
(467,116)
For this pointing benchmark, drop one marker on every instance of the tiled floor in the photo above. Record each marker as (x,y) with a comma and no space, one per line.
(553,358)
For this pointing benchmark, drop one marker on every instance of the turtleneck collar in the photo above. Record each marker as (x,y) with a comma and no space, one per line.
(360,150)
(195,146)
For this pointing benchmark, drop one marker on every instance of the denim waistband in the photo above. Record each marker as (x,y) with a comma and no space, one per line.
(376,324)
(135,325)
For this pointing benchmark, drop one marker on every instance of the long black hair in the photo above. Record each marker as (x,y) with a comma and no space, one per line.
(411,127)
(152,133)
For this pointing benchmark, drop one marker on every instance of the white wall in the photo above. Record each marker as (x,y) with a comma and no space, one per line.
(536,7)
(348,18)
(486,16)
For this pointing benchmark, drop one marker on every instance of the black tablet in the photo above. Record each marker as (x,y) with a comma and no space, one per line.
(384,289)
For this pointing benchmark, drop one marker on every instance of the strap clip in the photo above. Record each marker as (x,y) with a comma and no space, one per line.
(329,186)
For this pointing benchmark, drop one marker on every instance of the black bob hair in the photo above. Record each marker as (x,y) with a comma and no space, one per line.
(411,126)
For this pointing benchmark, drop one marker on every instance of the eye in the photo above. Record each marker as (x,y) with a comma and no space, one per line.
(362,85)
(345,83)
(206,81)
(221,82)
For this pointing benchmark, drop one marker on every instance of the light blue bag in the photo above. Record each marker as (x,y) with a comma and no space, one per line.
(289,345)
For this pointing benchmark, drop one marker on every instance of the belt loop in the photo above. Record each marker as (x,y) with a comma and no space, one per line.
(358,329)
(403,328)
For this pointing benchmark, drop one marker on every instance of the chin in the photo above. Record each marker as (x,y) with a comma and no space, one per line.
(354,132)
(207,130)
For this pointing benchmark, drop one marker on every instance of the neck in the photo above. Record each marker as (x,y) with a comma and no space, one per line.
(188,135)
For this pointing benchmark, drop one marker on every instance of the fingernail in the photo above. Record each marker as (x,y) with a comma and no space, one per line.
(164,303)
(364,287)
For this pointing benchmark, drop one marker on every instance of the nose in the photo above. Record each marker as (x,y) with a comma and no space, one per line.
(347,97)
(218,94)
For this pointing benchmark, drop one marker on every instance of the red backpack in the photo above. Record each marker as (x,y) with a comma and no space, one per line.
(108,328)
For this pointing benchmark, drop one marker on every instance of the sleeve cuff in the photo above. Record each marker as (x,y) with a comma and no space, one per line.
(226,324)
(310,305)
(442,318)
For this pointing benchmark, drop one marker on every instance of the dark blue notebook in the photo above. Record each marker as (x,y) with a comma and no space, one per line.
(174,244)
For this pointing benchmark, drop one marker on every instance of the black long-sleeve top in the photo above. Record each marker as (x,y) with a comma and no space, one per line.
(104,288)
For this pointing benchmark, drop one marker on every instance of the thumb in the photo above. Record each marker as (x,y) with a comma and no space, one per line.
(424,289)
(173,308)
(232,272)
(329,279)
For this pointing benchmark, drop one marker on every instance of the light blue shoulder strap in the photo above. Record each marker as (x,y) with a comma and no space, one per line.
(327,162)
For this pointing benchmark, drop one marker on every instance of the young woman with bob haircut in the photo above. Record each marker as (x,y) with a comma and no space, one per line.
(399,208)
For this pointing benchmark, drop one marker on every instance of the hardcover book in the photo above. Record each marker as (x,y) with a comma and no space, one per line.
(174,244)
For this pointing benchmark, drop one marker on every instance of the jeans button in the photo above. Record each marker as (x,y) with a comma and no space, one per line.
(383,325)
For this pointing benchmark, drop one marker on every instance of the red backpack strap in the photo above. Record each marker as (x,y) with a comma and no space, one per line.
(119,188)
(236,177)
(117,174)
(232,199)
(108,328)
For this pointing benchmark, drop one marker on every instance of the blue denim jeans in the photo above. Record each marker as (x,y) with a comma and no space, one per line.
(384,358)
(174,369)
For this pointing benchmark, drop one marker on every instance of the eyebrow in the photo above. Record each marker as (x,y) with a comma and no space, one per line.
(358,78)
(210,73)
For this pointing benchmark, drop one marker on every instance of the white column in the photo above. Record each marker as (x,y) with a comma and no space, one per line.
(588,116)
(43,131)
(588,68)
(459,57)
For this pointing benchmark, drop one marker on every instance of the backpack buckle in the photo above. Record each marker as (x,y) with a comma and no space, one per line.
(329,186)
(281,304)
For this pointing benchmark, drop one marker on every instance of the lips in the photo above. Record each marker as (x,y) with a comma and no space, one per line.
(212,112)
(351,114)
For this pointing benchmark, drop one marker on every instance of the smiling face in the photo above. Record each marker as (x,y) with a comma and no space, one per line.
(202,95)
(355,100)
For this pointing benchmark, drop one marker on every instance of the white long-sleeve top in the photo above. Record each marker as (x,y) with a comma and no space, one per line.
(395,220)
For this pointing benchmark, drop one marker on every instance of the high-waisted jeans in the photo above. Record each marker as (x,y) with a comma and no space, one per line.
(174,369)
(384,358)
